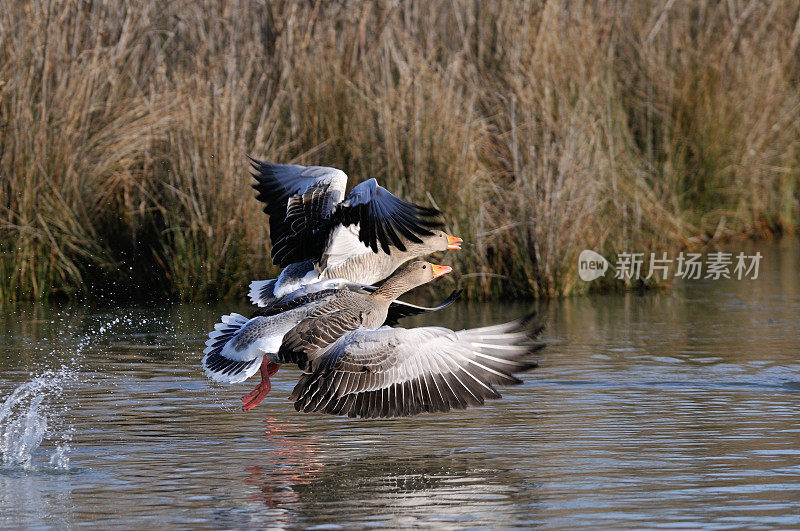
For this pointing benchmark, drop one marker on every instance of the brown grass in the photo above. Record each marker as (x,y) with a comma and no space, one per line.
(540,128)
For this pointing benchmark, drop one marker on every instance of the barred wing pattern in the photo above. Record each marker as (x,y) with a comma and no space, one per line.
(303,196)
(384,219)
(306,205)
(391,372)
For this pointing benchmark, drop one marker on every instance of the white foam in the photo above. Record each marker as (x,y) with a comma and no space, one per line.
(37,410)
(30,415)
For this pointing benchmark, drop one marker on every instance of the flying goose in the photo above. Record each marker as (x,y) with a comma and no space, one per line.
(317,233)
(239,347)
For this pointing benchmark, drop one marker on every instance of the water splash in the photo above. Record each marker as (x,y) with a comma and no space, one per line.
(35,410)
(32,414)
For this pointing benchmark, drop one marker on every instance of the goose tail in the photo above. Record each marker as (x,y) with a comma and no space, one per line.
(262,292)
(219,367)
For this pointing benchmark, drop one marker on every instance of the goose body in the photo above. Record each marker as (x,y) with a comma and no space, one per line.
(353,272)
(355,311)
(239,347)
(353,366)
(391,372)
(319,234)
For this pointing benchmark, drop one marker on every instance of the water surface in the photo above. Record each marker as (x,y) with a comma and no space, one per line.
(675,409)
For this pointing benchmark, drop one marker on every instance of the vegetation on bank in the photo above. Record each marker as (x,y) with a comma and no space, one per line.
(540,128)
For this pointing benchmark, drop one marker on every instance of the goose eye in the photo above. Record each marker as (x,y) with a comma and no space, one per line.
(424,267)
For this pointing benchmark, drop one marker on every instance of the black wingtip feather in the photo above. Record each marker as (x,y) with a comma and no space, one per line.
(399,310)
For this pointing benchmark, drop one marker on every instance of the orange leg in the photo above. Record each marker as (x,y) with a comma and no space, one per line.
(254,397)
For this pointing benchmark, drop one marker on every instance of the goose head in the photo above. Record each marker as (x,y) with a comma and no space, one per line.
(421,272)
(441,241)
(413,275)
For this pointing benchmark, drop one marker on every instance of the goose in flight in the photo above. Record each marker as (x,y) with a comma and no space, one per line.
(318,233)
(239,347)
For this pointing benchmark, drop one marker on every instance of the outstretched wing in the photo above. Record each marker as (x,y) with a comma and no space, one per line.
(399,309)
(385,219)
(299,201)
(392,372)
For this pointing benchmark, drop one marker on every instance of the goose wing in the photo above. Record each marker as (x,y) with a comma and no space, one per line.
(383,219)
(284,306)
(299,201)
(399,309)
(323,327)
(392,372)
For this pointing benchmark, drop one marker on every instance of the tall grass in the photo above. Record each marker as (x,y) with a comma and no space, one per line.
(540,128)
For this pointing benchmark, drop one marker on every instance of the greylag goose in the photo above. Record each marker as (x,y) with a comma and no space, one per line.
(319,234)
(238,347)
(395,372)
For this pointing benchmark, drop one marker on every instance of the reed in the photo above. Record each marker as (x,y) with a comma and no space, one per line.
(540,129)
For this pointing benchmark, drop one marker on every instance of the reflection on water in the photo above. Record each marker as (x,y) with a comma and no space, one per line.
(671,409)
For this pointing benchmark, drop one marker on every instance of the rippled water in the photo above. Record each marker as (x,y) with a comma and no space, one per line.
(676,409)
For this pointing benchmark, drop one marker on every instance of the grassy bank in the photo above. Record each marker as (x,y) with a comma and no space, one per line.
(539,129)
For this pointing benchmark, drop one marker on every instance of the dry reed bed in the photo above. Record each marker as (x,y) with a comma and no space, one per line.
(541,128)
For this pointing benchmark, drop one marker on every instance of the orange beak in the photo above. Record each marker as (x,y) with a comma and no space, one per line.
(440,270)
(454,242)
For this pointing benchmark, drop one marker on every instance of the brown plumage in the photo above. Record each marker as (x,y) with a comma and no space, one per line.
(349,311)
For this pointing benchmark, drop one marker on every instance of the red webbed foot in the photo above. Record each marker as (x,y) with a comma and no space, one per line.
(254,397)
